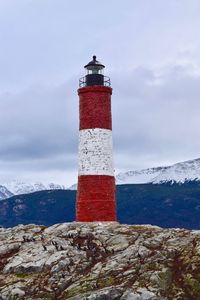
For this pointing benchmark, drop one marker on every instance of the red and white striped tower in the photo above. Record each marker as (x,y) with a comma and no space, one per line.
(96,182)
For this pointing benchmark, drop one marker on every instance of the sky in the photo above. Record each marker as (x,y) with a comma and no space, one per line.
(151,50)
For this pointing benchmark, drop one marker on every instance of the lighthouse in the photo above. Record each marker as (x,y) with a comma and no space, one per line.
(96,182)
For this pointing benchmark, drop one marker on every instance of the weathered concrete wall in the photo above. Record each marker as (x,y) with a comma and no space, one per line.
(95,152)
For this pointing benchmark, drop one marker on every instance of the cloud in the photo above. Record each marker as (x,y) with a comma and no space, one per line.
(39,130)
(151,52)
(159,116)
(38,122)
(155,120)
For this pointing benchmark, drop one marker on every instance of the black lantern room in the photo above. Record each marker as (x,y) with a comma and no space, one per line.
(94,74)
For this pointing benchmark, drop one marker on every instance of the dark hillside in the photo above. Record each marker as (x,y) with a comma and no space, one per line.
(163,205)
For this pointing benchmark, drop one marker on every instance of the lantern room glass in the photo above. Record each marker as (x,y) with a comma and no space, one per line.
(94,70)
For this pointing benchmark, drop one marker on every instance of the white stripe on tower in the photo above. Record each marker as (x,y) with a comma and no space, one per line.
(95,152)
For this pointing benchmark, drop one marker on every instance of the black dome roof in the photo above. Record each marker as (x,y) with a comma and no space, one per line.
(94,62)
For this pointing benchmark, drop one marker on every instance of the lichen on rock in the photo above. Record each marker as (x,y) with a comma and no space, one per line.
(99,261)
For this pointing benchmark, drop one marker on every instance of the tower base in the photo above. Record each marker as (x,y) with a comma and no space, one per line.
(96,199)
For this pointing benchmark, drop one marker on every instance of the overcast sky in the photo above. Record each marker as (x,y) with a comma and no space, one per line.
(151,50)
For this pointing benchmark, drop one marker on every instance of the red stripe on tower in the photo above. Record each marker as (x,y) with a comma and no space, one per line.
(96,182)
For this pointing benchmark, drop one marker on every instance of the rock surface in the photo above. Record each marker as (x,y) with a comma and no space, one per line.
(99,261)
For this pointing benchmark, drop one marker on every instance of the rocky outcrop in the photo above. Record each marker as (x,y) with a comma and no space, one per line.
(97,261)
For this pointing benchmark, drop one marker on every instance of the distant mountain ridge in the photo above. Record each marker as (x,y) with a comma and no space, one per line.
(182,172)
(18,188)
(5,193)
(178,173)
(166,205)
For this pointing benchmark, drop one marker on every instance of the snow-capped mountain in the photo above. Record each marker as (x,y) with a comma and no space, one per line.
(141,176)
(73,187)
(17,187)
(4,193)
(177,173)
